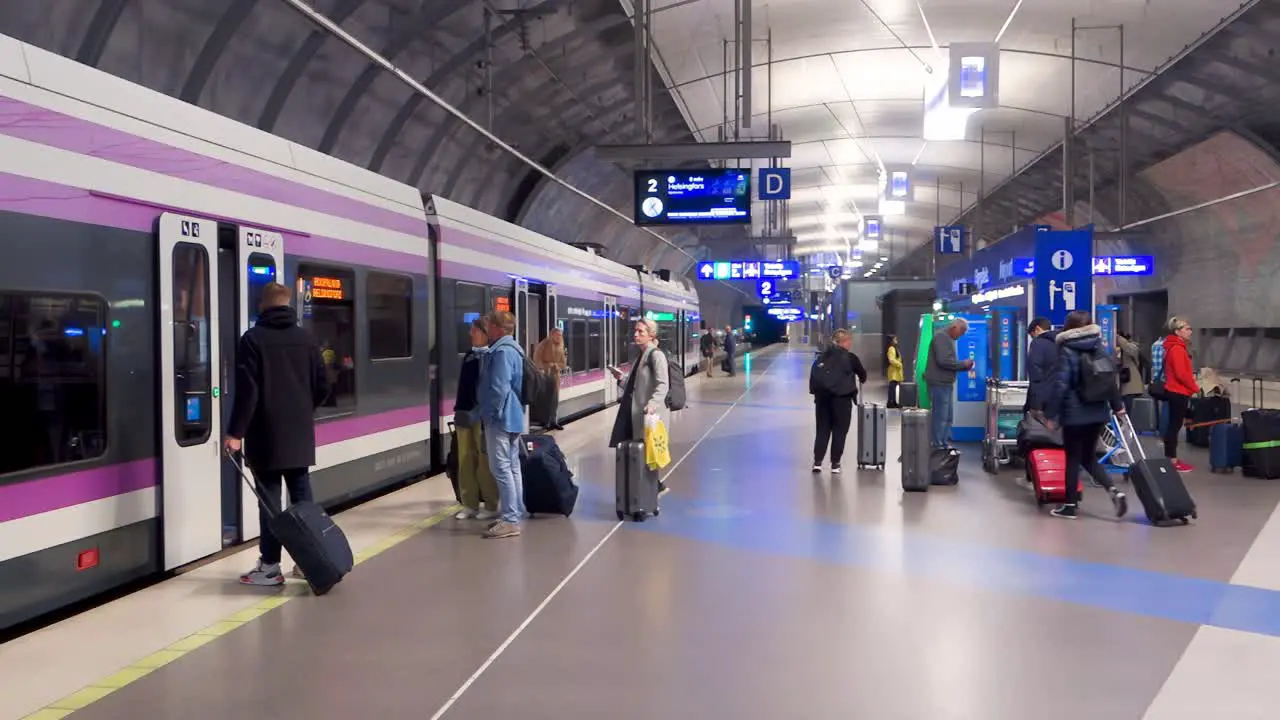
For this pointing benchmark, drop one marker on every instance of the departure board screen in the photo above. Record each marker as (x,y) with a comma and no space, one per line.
(693,197)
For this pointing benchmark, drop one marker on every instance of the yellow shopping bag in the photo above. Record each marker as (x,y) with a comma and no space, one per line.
(657,446)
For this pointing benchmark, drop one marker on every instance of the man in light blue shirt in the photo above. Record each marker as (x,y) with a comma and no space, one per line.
(502,416)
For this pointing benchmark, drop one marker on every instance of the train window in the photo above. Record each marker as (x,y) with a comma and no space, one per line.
(575,339)
(389,299)
(595,345)
(328,310)
(262,271)
(470,303)
(192,376)
(52,379)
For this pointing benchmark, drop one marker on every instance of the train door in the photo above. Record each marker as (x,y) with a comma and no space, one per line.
(191,421)
(521,295)
(535,319)
(609,336)
(259,261)
(553,310)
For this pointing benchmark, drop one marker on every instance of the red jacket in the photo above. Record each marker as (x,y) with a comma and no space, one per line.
(1179,377)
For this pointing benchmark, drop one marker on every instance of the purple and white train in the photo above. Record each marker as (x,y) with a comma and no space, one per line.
(137,231)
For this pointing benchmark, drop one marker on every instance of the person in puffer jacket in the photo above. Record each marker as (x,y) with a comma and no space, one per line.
(1042,357)
(1082,421)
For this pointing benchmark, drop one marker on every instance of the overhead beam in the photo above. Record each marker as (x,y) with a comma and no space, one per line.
(689,152)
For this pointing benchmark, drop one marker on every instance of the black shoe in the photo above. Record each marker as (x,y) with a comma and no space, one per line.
(1067,511)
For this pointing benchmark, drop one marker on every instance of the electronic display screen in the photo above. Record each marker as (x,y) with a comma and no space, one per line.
(194,414)
(973,77)
(898,184)
(693,197)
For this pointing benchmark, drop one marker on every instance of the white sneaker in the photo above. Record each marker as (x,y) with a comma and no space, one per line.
(263,575)
(486,514)
(466,514)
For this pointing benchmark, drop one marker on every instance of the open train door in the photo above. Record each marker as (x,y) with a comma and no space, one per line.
(609,335)
(259,261)
(190,407)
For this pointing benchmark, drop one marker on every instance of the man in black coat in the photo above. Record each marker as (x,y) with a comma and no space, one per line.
(832,384)
(280,381)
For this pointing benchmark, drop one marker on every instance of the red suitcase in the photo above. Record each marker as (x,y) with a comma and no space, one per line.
(1046,469)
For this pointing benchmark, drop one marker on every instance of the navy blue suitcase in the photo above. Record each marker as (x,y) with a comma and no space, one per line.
(311,537)
(548,483)
(1226,447)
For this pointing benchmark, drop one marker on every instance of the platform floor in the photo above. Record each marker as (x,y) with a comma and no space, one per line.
(762,591)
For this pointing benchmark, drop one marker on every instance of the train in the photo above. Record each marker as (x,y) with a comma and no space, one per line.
(138,231)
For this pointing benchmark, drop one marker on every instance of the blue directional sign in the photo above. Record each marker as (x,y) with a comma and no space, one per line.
(775,183)
(706,271)
(747,269)
(949,239)
(786,314)
(767,287)
(1063,274)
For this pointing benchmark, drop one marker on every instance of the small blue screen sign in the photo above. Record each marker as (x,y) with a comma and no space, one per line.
(693,197)
(194,409)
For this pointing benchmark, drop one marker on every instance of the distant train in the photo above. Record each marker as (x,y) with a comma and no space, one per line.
(138,231)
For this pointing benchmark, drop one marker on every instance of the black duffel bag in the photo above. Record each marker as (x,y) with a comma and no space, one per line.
(1034,434)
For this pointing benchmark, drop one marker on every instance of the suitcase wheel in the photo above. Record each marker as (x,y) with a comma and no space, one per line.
(657,512)
(621,516)
(638,516)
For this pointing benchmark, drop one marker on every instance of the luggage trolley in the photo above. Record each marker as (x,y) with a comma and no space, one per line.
(1005,400)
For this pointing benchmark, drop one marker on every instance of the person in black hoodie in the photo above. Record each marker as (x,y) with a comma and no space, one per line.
(1042,357)
(831,382)
(280,381)
(475,481)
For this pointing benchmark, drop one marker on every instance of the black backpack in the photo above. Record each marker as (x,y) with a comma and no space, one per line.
(1099,378)
(536,384)
(675,383)
(828,378)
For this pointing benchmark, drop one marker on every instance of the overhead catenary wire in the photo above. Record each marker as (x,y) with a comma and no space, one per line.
(328,25)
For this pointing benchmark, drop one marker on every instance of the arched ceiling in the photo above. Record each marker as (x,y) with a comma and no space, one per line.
(849,78)
(561,81)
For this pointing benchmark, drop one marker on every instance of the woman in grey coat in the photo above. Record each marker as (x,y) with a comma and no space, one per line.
(644,388)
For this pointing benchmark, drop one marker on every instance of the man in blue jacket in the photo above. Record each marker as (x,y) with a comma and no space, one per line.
(502,416)
(1042,357)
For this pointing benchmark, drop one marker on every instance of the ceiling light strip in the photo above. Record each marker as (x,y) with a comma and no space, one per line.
(1008,20)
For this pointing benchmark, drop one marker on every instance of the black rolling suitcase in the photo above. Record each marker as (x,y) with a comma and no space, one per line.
(636,484)
(548,483)
(311,537)
(1157,483)
(1206,412)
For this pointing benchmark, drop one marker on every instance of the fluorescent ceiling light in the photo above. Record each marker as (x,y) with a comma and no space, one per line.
(1007,20)
(884,259)
(920,152)
(867,245)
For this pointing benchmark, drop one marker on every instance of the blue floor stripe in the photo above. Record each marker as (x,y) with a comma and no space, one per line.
(1110,587)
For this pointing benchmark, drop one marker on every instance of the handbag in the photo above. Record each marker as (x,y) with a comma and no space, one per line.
(465,419)
(1034,434)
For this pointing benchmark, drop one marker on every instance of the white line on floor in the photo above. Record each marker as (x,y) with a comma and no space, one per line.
(581,564)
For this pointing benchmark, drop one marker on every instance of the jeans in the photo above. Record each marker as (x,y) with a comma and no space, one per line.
(940,414)
(475,481)
(298,481)
(1081,444)
(833,415)
(504,461)
(1177,418)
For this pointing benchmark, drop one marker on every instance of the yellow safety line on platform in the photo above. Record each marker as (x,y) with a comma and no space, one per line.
(97,690)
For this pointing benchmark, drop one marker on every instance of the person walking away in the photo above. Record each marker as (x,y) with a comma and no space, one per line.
(730,349)
(894,359)
(1131,370)
(475,481)
(502,418)
(834,389)
(1082,401)
(1042,357)
(549,357)
(941,366)
(644,388)
(1179,385)
(280,381)
(707,346)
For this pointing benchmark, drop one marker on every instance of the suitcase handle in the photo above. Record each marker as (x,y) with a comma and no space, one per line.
(1123,424)
(237,460)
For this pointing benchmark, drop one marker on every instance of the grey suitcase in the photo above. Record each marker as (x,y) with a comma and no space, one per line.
(908,395)
(915,450)
(636,485)
(1144,415)
(872,435)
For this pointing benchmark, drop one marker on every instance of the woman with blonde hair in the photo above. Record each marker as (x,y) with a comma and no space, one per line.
(644,387)
(549,357)
(1179,380)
